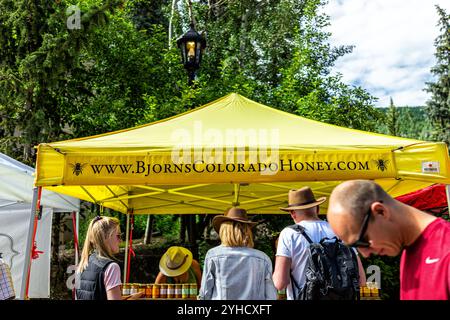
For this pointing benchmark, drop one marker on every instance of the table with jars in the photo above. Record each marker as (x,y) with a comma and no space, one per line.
(163,291)
(368,292)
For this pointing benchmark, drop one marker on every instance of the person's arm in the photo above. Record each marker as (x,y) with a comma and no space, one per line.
(197,271)
(281,275)
(362,273)
(113,284)
(114,293)
(160,278)
(270,292)
(208,280)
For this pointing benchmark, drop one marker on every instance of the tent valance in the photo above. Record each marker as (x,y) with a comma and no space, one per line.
(233,151)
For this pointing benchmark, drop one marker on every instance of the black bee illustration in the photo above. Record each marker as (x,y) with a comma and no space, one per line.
(77,168)
(381,164)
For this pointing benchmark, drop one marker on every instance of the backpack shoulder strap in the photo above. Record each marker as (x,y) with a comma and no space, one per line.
(301,230)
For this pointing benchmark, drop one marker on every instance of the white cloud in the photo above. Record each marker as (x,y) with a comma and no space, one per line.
(394,45)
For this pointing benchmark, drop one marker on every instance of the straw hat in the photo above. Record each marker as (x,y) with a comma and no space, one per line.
(302,199)
(233,214)
(175,261)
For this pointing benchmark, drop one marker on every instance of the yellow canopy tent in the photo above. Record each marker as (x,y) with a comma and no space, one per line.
(233,151)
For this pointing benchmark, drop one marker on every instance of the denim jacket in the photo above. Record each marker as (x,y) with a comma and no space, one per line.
(237,273)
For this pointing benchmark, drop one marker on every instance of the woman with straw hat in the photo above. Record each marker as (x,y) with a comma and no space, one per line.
(177,266)
(235,270)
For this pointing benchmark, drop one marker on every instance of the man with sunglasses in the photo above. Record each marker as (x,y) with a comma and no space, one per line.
(364,216)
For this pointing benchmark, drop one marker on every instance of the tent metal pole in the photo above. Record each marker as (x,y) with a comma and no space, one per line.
(127,237)
(77,248)
(27,260)
(237,189)
(447,191)
(77,227)
(75,243)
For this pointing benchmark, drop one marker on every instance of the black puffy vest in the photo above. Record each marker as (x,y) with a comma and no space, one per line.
(91,283)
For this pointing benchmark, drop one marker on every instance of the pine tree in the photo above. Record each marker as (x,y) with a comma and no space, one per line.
(393,119)
(438,107)
(38,56)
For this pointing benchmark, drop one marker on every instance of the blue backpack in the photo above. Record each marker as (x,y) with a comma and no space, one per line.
(331,271)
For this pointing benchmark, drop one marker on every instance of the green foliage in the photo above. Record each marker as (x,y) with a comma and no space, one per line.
(83,225)
(392,119)
(277,53)
(438,107)
(38,55)
(167,225)
(411,122)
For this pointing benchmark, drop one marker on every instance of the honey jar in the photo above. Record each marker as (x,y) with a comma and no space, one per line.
(163,291)
(148,291)
(156,291)
(185,291)
(170,291)
(192,290)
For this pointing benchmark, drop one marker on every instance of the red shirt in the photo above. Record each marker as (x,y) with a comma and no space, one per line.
(425,265)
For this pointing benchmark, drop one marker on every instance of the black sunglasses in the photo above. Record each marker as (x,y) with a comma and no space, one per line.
(361,242)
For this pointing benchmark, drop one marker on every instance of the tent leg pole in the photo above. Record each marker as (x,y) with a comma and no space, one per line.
(27,260)
(75,241)
(127,239)
(237,189)
(77,226)
(447,191)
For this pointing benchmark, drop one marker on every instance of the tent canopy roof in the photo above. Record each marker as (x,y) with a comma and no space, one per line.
(235,114)
(427,199)
(16,189)
(232,151)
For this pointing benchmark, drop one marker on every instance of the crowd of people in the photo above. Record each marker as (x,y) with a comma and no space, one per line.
(362,219)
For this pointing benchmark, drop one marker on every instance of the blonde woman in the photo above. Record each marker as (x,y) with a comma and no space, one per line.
(98,275)
(235,270)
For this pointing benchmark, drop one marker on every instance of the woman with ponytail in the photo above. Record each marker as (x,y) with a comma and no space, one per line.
(235,270)
(98,274)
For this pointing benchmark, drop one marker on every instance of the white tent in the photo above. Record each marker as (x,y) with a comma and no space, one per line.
(16,194)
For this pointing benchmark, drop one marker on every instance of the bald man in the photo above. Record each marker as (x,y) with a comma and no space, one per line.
(364,216)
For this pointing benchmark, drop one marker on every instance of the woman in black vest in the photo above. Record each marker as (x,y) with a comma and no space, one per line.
(98,275)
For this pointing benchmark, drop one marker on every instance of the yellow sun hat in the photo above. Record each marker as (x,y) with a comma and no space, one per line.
(175,261)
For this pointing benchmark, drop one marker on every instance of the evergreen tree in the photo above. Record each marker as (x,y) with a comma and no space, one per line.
(38,57)
(392,119)
(438,107)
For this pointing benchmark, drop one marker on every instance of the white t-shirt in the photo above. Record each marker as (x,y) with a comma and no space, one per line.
(293,244)
(112,276)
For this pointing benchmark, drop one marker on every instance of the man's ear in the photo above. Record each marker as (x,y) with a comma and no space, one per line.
(293,215)
(379,208)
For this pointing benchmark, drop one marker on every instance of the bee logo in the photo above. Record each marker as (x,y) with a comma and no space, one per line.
(77,168)
(381,164)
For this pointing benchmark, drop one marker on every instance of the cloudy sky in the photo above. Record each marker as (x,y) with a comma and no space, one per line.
(394,46)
